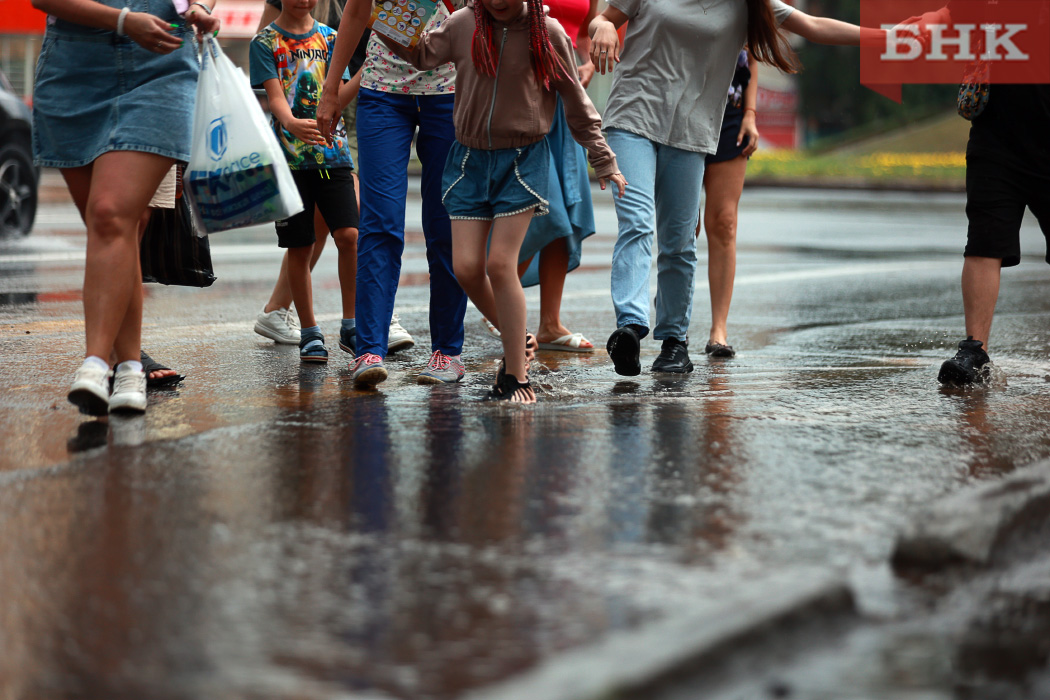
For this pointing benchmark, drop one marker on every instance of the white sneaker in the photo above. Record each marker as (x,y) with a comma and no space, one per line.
(280,325)
(90,390)
(129,391)
(399,338)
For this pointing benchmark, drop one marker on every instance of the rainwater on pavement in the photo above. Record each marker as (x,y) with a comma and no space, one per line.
(268,531)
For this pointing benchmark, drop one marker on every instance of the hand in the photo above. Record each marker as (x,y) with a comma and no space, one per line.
(748,129)
(617,179)
(327,114)
(204,23)
(305,130)
(151,32)
(605,46)
(586,71)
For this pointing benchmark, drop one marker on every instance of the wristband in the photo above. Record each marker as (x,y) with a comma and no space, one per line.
(207,10)
(751,109)
(120,20)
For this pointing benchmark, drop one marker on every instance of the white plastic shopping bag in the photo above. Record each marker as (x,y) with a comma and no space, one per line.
(237,174)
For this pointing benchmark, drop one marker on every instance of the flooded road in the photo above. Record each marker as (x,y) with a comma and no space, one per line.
(268,531)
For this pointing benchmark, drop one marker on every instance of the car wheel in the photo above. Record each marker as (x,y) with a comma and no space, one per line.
(18,192)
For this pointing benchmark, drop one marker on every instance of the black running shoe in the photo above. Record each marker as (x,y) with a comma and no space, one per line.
(625,347)
(674,357)
(968,365)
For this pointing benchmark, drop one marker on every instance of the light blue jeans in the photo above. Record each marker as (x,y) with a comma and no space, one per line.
(663,197)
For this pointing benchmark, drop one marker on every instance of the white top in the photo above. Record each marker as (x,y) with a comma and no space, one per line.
(386,72)
(676,67)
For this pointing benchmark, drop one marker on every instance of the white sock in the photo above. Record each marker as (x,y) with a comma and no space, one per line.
(132,365)
(97,362)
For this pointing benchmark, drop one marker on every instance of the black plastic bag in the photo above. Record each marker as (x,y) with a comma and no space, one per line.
(172,252)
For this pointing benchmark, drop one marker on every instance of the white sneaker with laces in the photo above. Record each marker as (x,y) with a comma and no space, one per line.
(279,325)
(399,339)
(129,391)
(90,390)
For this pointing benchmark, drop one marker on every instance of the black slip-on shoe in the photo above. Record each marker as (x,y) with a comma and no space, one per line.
(625,347)
(968,365)
(673,358)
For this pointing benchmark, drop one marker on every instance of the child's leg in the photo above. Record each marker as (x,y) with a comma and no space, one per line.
(298,236)
(281,297)
(448,303)
(502,267)
(385,126)
(468,261)
(346,242)
(299,283)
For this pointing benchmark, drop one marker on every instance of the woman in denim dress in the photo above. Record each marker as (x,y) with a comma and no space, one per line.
(113,110)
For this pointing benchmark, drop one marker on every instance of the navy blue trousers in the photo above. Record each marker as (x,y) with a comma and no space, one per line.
(386,123)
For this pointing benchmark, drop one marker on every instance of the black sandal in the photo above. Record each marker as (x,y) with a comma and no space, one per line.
(507,387)
(149,366)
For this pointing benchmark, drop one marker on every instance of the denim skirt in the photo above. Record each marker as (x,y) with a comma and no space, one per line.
(97,92)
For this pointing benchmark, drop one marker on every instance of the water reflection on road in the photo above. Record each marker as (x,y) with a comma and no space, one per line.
(268,531)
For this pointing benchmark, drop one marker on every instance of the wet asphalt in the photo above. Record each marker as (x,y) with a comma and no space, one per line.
(268,531)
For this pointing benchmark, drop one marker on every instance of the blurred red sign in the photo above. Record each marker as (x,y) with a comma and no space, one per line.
(20,17)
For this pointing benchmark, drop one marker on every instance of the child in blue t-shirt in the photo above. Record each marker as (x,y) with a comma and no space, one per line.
(289,59)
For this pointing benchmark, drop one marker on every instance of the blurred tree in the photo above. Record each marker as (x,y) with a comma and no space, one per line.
(833,103)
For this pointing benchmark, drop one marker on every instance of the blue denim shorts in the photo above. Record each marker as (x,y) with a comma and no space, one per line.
(97,92)
(484,185)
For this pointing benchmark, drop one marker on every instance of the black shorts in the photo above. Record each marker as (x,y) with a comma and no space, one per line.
(727,148)
(332,192)
(996,196)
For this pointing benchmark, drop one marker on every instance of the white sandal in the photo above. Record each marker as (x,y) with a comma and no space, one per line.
(573,342)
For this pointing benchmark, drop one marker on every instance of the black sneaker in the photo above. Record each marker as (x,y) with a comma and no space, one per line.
(674,357)
(348,340)
(968,365)
(624,347)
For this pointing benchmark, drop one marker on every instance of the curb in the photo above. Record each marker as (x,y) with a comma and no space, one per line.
(968,526)
(638,661)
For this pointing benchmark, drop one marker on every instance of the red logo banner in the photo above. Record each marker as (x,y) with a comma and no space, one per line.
(925,43)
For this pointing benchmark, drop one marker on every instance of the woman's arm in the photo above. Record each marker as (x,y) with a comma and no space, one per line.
(824,30)
(351,27)
(605,42)
(747,125)
(148,31)
(583,46)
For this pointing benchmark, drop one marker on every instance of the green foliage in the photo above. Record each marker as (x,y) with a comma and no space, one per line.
(832,100)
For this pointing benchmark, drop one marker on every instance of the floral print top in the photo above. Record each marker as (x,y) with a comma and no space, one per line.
(385,72)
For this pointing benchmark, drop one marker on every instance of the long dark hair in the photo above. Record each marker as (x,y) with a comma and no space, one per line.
(545,62)
(765,40)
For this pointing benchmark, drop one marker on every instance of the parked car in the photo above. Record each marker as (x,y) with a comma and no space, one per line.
(18,176)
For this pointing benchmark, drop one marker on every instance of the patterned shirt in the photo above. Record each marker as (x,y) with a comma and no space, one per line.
(300,62)
(385,72)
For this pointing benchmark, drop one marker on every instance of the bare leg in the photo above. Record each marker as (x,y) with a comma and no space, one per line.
(501,266)
(980,288)
(723,184)
(160,373)
(299,281)
(554,266)
(469,239)
(346,242)
(122,183)
(281,297)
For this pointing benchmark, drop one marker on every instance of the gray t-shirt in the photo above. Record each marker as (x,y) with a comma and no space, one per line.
(675,69)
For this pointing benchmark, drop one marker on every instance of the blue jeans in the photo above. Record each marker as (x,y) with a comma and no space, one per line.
(386,123)
(663,197)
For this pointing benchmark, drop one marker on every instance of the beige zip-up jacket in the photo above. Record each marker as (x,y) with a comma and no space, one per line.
(512,109)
